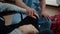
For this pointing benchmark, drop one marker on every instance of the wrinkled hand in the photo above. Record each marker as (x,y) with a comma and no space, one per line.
(28,29)
(31,12)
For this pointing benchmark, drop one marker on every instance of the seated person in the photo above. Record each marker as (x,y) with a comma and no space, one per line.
(4,7)
(32,6)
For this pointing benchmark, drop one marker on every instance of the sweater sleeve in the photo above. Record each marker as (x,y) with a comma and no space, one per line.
(10,8)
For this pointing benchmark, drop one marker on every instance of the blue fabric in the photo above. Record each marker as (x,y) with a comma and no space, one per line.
(16,18)
(31,3)
(43,22)
(45,25)
(47,31)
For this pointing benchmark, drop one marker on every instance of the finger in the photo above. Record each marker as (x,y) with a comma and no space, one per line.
(36,31)
(46,16)
(35,13)
(32,32)
(27,12)
(32,13)
(33,17)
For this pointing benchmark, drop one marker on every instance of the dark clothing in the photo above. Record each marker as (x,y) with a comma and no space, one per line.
(7,29)
(8,1)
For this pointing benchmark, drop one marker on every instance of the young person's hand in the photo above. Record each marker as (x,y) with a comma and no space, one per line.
(28,29)
(45,15)
(31,12)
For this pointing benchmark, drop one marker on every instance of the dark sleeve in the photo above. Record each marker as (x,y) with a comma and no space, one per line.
(1,0)
(7,29)
(40,0)
(10,1)
(26,21)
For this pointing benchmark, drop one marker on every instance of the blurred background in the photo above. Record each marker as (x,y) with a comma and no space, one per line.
(53,2)
(52,7)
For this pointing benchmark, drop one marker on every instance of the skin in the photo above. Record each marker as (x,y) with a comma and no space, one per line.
(28,29)
(31,12)
(43,5)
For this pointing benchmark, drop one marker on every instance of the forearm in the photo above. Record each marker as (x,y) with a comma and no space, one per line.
(42,5)
(20,3)
(6,9)
(15,8)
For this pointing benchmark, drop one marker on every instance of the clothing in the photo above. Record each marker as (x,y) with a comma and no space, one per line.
(55,23)
(7,29)
(44,24)
(16,31)
(5,9)
(8,1)
(33,4)
(1,0)
(10,7)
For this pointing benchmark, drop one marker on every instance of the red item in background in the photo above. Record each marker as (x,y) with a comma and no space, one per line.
(55,24)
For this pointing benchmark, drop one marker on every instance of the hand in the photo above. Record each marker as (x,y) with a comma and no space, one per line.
(28,29)
(31,12)
(45,15)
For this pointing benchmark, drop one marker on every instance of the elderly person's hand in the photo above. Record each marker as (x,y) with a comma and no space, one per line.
(28,29)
